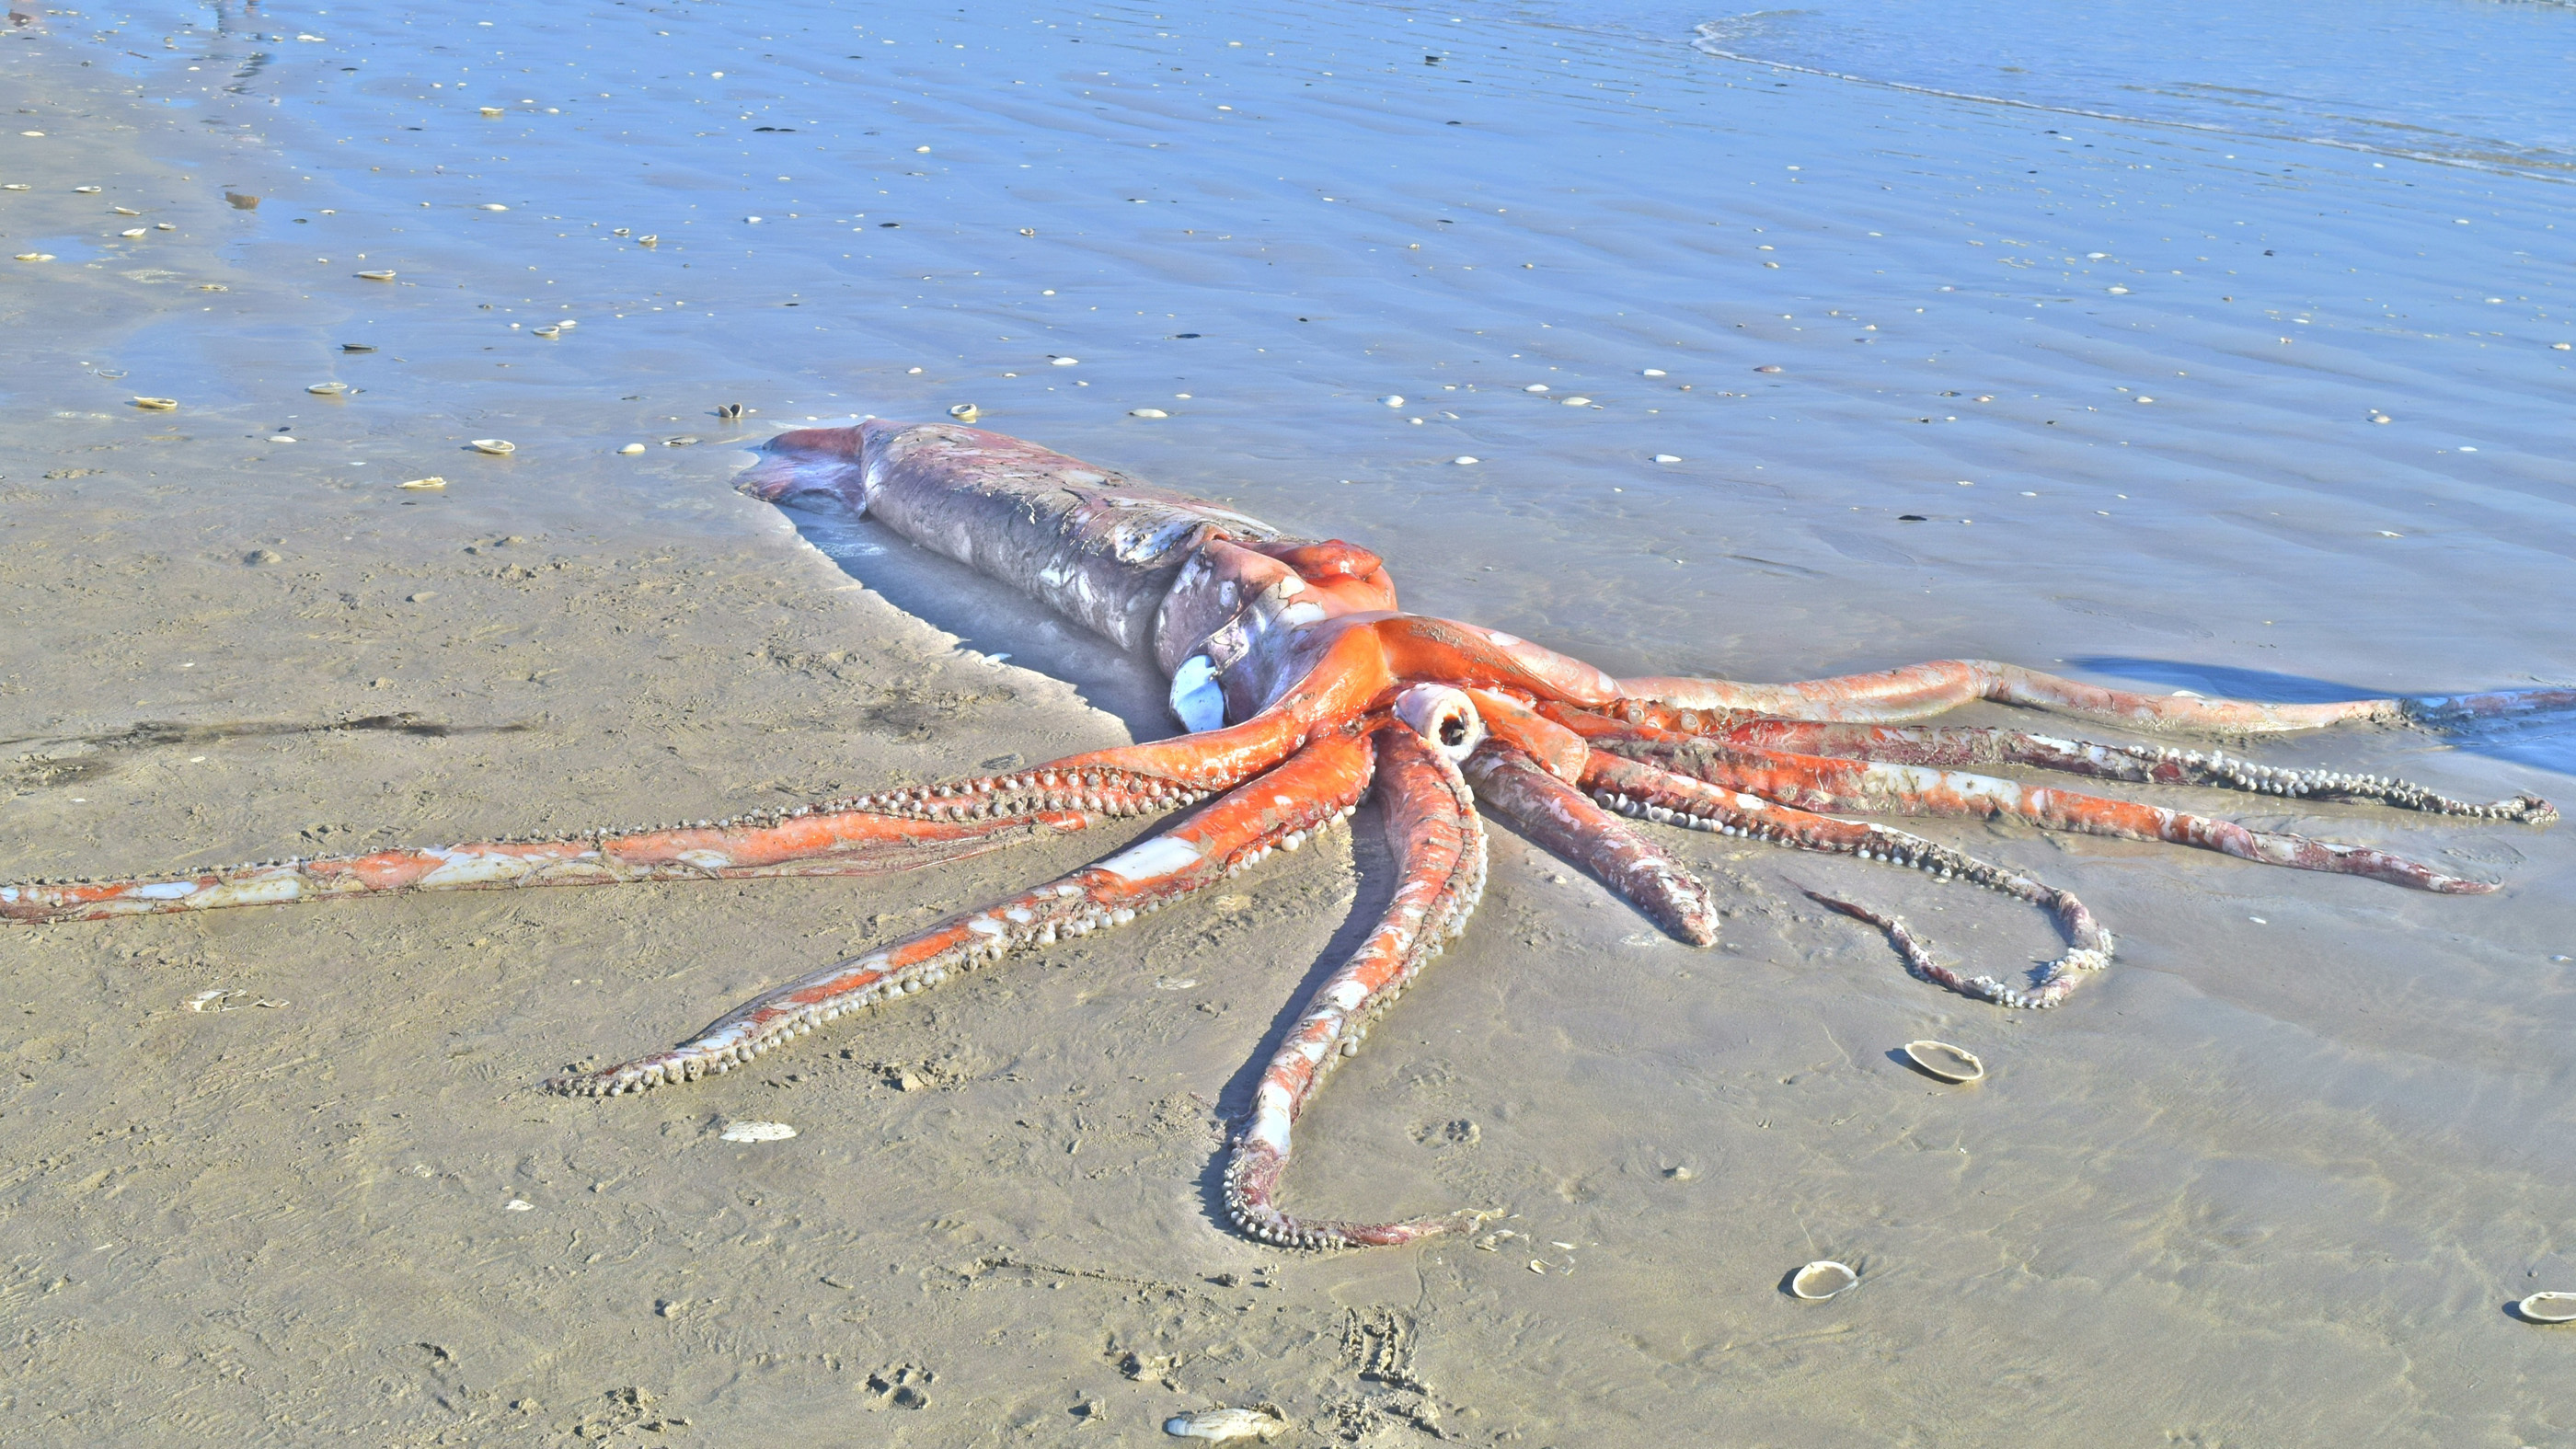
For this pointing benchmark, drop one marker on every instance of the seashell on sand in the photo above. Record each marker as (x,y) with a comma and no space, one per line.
(1949,1063)
(492,206)
(497,447)
(134,232)
(377,276)
(632,448)
(547,331)
(1219,1425)
(1577,401)
(1393,400)
(1822,1279)
(965,412)
(330,389)
(1464,460)
(1768,367)
(433,481)
(490,110)
(1668,457)
(757,1132)
(2549,1307)
(35,256)
(156,404)
(1147,413)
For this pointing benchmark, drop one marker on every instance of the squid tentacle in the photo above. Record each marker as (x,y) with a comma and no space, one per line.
(860,835)
(1955,745)
(1921,690)
(1313,788)
(1570,826)
(1642,790)
(1440,849)
(1818,783)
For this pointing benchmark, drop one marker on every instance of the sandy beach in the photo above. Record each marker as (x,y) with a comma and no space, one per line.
(2063,341)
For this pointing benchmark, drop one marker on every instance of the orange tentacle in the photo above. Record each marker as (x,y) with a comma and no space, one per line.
(1816,783)
(868,835)
(1440,854)
(1659,795)
(1315,787)
(1921,690)
(1567,824)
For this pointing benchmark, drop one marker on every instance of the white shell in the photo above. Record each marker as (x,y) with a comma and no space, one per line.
(965,412)
(1147,413)
(1222,1424)
(1822,1279)
(1949,1063)
(433,481)
(1668,457)
(1393,399)
(632,448)
(1576,401)
(757,1132)
(497,447)
(377,276)
(328,389)
(2549,1307)
(156,404)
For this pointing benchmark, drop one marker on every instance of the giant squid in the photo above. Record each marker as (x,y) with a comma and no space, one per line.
(1303,688)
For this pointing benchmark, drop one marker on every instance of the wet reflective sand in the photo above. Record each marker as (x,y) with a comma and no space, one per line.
(2074,391)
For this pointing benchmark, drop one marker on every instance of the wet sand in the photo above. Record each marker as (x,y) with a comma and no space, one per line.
(2273,1180)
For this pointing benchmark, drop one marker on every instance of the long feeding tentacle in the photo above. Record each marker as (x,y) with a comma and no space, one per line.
(864,835)
(1642,790)
(1921,690)
(1574,829)
(1316,786)
(1952,746)
(1814,782)
(1440,854)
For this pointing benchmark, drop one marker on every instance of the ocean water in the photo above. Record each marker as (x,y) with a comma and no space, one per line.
(2176,346)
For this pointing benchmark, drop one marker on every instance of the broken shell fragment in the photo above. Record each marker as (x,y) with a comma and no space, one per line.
(757,1132)
(433,481)
(1223,1424)
(330,389)
(377,276)
(156,404)
(1949,1063)
(497,447)
(965,412)
(2549,1307)
(1822,1279)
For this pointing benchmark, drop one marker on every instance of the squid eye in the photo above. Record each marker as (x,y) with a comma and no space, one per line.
(1445,717)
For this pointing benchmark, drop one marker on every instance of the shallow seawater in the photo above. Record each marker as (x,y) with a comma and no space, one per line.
(2219,348)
